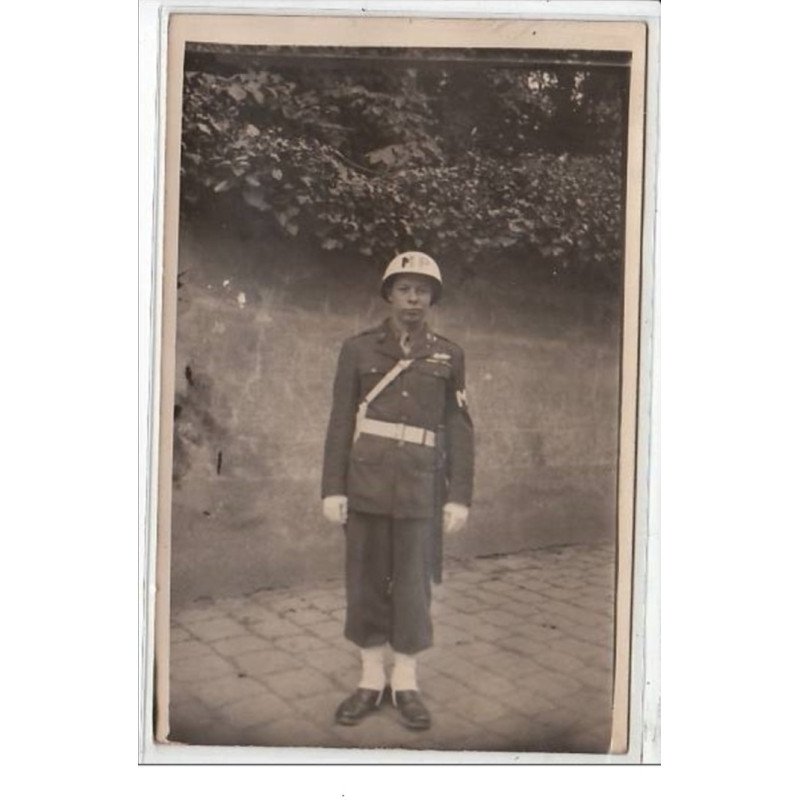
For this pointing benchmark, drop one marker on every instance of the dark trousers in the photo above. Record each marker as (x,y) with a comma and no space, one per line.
(388,582)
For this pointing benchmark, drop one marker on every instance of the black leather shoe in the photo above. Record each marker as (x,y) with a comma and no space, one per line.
(361,703)
(412,710)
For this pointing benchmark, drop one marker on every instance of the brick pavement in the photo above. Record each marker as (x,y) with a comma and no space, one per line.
(522,662)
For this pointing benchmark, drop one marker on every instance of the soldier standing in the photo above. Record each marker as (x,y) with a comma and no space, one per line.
(398,470)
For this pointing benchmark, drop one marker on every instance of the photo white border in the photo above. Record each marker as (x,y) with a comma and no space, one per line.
(644,731)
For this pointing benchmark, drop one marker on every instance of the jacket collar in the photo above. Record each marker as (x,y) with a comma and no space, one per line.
(389,342)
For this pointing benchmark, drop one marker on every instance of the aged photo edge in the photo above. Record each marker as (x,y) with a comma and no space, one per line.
(162,390)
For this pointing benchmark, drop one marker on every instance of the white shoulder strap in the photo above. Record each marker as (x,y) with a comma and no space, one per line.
(400,366)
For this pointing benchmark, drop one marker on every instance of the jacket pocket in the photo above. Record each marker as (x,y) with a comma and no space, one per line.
(420,457)
(433,369)
(370,475)
(369,375)
(368,449)
(415,481)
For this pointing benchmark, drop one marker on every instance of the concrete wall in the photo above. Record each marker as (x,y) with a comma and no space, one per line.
(259,330)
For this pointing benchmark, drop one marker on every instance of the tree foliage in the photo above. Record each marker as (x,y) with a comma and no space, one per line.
(465,162)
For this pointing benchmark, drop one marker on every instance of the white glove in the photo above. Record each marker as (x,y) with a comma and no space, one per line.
(334,508)
(454,517)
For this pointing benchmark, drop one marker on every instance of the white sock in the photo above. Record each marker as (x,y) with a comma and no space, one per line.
(373,675)
(404,673)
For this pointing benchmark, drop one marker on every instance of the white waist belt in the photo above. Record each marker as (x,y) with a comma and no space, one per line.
(399,431)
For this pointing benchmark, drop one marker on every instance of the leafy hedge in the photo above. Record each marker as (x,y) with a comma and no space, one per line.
(465,164)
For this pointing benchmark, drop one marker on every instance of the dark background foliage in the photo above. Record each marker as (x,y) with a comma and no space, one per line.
(466,155)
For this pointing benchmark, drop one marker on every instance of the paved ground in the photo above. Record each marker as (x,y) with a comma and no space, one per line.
(522,662)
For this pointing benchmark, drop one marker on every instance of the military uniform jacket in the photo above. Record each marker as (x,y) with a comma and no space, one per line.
(398,478)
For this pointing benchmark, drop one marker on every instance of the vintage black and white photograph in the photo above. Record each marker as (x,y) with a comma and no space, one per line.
(397,460)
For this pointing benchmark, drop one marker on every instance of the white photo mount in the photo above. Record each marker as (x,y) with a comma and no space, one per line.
(608,26)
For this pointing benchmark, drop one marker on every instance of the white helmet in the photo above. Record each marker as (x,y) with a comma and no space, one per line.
(414,263)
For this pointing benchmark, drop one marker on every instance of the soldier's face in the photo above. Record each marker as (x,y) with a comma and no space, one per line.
(410,298)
